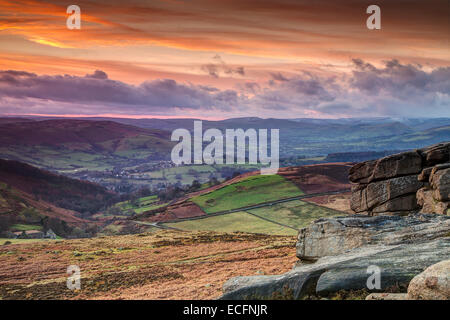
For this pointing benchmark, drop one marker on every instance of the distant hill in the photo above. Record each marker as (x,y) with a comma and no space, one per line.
(315,137)
(75,134)
(81,196)
(358,156)
(68,144)
(310,138)
(14,120)
(98,144)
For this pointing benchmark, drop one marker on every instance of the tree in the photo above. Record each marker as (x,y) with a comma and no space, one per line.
(214,181)
(195,185)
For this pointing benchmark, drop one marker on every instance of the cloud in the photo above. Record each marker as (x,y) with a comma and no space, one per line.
(277,76)
(400,80)
(392,89)
(98,91)
(98,74)
(221,68)
(403,89)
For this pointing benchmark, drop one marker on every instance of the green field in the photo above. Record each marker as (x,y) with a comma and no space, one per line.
(138,206)
(249,191)
(233,222)
(25,227)
(296,214)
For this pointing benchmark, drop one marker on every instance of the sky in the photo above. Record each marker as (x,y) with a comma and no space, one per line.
(228,58)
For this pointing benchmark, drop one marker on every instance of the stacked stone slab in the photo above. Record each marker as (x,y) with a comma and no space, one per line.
(403,183)
(434,197)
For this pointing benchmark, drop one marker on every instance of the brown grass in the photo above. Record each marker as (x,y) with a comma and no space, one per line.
(162,265)
(319,178)
(340,202)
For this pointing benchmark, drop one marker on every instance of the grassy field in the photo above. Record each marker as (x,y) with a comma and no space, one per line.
(233,222)
(25,227)
(296,214)
(138,206)
(149,207)
(253,190)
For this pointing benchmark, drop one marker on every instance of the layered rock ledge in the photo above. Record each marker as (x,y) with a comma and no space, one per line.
(390,185)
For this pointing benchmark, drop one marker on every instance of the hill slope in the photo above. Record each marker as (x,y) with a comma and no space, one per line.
(61,191)
(65,144)
(312,137)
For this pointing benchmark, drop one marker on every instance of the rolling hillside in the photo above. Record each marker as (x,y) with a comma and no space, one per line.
(35,199)
(28,209)
(81,196)
(67,144)
(313,137)
(21,211)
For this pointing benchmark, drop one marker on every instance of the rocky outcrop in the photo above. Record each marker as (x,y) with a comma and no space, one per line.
(398,264)
(388,235)
(343,249)
(333,236)
(434,197)
(389,186)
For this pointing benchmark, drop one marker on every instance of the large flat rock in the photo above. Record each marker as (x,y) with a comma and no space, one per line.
(398,267)
(349,271)
(333,236)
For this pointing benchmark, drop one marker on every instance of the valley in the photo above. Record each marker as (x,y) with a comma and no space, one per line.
(140,227)
(125,155)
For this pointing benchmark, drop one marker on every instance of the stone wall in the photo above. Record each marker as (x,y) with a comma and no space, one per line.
(403,183)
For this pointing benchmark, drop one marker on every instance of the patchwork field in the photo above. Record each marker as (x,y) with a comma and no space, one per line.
(161,265)
(138,206)
(249,191)
(296,214)
(233,222)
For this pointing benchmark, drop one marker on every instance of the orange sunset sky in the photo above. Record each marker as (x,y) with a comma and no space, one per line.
(228,58)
